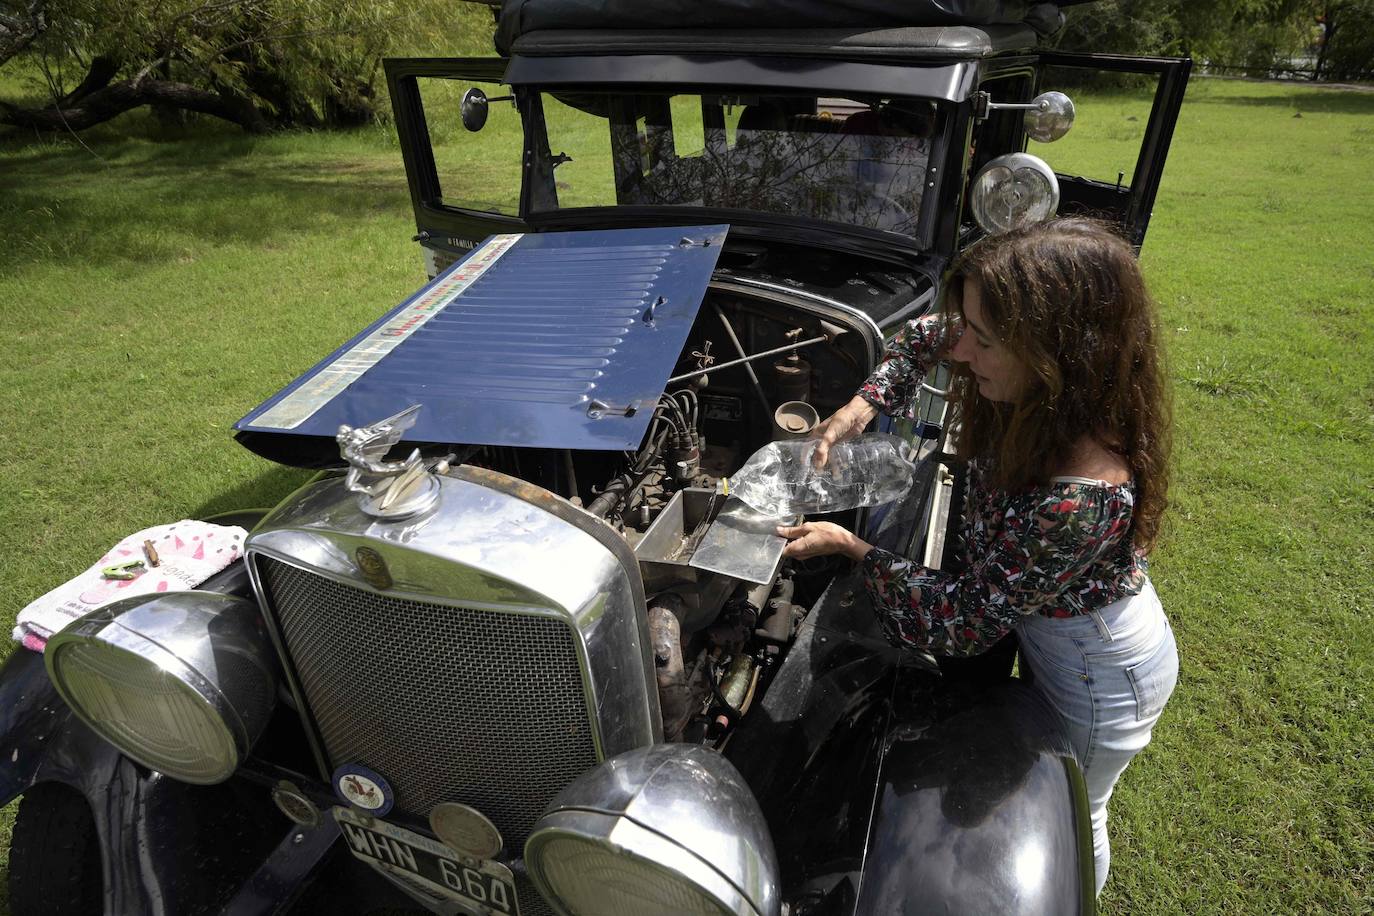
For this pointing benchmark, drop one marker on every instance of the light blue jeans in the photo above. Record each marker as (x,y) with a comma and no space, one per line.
(1109,673)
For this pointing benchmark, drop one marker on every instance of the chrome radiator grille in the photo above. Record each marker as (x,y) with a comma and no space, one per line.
(448,703)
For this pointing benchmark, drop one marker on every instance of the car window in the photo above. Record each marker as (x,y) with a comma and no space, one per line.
(859,162)
(495,152)
(1112,114)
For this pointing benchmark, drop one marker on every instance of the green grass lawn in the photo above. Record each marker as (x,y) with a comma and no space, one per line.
(155,291)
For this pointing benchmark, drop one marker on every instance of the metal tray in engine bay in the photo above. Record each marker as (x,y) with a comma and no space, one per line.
(742,543)
(703,545)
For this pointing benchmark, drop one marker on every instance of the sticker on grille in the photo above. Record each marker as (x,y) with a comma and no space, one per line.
(449,703)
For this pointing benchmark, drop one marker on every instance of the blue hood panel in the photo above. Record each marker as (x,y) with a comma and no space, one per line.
(555,340)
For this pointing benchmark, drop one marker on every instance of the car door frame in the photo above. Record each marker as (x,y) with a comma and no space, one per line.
(1130,205)
(437,223)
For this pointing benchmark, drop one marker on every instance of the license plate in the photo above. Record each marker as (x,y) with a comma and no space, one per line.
(488,888)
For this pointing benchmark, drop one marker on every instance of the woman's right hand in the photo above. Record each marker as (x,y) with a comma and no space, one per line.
(845,423)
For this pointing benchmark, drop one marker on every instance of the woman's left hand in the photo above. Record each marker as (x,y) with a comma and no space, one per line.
(819,539)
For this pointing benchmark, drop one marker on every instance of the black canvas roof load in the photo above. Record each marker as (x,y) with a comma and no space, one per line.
(520,17)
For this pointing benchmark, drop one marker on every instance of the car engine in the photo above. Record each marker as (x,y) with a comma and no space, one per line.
(715,638)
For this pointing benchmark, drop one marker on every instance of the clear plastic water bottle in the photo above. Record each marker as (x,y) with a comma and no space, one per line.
(780,479)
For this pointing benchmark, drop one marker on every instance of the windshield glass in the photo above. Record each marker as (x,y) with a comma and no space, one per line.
(858,162)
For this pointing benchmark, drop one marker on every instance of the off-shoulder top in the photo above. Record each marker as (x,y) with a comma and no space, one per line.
(1060,550)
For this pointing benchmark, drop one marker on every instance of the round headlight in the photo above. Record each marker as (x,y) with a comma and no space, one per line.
(597,876)
(181,682)
(666,829)
(1014,190)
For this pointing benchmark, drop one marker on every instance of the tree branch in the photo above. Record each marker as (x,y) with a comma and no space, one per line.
(113,100)
(18,32)
(100,74)
(145,71)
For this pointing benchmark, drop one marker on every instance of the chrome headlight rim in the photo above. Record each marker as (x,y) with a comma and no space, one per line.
(638,844)
(682,809)
(1006,168)
(164,632)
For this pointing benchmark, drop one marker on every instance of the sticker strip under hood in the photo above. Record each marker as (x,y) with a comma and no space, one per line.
(556,340)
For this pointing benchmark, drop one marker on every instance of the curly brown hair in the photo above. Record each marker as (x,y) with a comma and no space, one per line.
(1066,296)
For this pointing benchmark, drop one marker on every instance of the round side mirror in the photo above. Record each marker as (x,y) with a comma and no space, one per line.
(1049,120)
(474,110)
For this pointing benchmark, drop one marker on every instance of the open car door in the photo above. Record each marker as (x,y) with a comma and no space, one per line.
(1116,175)
(464,185)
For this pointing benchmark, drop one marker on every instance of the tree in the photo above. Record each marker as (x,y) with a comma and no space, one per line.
(1256,34)
(260,64)
(1346,49)
(20,25)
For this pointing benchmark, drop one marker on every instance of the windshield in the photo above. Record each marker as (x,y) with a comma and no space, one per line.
(858,162)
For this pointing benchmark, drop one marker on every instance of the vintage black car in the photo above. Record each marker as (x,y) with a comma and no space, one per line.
(512,651)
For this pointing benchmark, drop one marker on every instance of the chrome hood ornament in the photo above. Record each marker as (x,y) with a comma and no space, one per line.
(388,489)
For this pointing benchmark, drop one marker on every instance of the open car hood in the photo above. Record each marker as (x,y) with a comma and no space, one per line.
(554,340)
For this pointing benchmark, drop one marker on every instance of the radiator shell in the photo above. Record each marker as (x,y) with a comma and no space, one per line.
(508,653)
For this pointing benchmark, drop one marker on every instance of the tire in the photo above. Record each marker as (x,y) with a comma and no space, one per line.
(54,855)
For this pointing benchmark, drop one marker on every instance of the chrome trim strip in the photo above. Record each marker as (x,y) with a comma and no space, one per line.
(269,616)
(862,316)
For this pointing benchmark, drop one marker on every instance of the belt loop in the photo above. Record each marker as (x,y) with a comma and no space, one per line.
(1102,629)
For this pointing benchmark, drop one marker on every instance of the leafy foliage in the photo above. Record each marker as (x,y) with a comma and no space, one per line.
(20,24)
(260,63)
(1348,53)
(1258,35)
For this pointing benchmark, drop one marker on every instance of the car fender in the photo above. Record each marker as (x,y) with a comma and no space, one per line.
(891,788)
(41,741)
(982,809)
(166,847)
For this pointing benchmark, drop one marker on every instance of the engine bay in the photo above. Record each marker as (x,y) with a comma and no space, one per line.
(749,370)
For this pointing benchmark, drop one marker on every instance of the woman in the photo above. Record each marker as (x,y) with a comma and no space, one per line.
(1064,422)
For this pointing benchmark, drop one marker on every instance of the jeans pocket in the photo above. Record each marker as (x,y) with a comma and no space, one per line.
(1153,680)
(1063,655)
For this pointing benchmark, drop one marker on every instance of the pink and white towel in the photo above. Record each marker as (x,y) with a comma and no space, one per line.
(189,552)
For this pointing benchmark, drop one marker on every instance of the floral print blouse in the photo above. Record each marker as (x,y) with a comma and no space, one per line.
(1059,550)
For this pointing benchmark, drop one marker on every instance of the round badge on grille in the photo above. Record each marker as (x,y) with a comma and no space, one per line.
(465,830)
(372,567)
(295,804)
(363,789)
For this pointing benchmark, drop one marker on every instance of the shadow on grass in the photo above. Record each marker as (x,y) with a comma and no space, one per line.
(1329,101)
(261,492)
(62,205)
